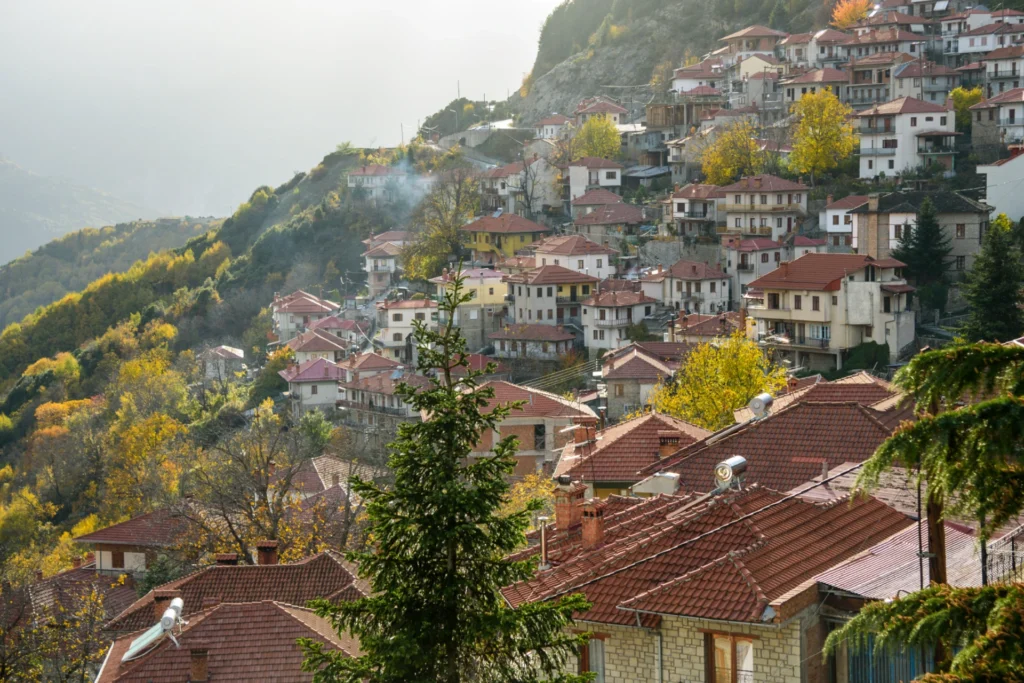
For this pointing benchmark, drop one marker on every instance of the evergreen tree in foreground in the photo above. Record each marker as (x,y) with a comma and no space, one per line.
(993,287)
(926,252)
(439,549)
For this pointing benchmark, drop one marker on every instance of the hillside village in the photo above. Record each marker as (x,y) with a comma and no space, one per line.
(708,551)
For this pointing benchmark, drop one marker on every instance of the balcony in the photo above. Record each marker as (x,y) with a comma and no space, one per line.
(614,322)
(941,87)
(878,151)
(383,269)
(793,342)
(765,208)
(937,149)
(745,267)
(1011,122)
(571,299)
(871,130)
(1003,75)
(693,214)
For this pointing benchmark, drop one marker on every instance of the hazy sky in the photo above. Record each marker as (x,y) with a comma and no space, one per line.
(188,105)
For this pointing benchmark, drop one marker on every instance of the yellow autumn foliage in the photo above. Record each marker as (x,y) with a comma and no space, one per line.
(734,153)
(824,134)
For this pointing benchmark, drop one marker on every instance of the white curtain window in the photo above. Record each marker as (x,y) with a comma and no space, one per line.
(595,651)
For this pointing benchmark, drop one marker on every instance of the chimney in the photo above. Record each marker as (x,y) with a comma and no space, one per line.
(162,600)
(544,564)
(828,200)
(335,479)
(199,660)
(568,502)
(791,383)
(266,552)
(668,442)
(757,182)
(226,559)
(593,523)
(76,562)
(584,433)
(39,575)
(784,267)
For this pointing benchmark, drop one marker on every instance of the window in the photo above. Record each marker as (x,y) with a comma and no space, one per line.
(961,262)
(728,658)
(490,291)
(539,437)
(871,164)
(798,302)
(595,334)
(942,120)
(540,291)
(117,559)
(835,301)
(550,291)
(396,317)
(423,316)
(592,659)
(713,287)
(778,199)
(540,314)
(764,258)
(609,175)
(778,257)
(600,335)
(892,164)
(544,347)
(913,120)
(778,222)
(551,314)
(890,143)
(978,118)
(764,199)
(619,390)
(600,263)
(961,231)
(397,336)
(835,219)
(739,222)
(815,303)
(313,389)
(887,304)
(773,300)
(739,199)
(696,287)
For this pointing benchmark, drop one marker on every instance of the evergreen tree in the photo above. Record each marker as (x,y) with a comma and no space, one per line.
(993,287)
(440,543)
(925,250)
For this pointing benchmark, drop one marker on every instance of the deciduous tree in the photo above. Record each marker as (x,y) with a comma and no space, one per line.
(440,543)
(732,154)
(598,137)
(824,134)
(848,12)
(452,201)
(994,285)
(715,380)
(963,99)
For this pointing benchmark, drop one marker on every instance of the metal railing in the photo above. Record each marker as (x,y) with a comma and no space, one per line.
(996,75)
(878,151)
(938,87)
(570,299)
(760,208)
(383,269)
(693,214)
(937,149)
(869,130)
(613,322)
(745,267)
(1011,122)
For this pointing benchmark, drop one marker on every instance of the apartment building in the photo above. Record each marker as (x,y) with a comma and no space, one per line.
(690,286)
(904,134)
(814,309)
(532,342)
(753,40)
(926,81)
(885,40)
(812,82)
(975,43)
(706,73)
(826,48)
(548,295)
(765,205)
(607,317)
(484,312)
(395,327)
(695,210)
(748,259)
(578,253)
(870,78)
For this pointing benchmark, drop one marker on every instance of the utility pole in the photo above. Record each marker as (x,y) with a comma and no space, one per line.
(458,89)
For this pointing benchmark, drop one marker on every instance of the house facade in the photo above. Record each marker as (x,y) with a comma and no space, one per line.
(696,210)
(577,252)
(690,286)
(395,327)
(904,134)
(532,341)
(484,313)
(925,81)
(1004,114)
(591,173)
(317,343)
(631,372)
(380,183)
(837,220)
(599,106)
(608,315)
(381,265)
(765,205)
(548,295)
(494,238)
(552,127)
(312,385)
(610,223)
(293,313)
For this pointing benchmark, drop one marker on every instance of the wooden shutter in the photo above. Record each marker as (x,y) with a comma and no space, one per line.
(709,658)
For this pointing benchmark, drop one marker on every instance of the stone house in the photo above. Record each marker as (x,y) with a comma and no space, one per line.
(631,372)
(532,341)
(611,223)
(312,385)
(689,286)
(131,546)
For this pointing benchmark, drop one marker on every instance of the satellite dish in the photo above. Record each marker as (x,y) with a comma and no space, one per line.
(729,472)
(761,404)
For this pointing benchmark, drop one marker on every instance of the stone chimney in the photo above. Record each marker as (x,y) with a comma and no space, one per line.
(199,658)
(791,383)
(266,552)
(335,479)
(162,600)
(869,235)
(757,183)
(226,559)
(668,442)
(568,502)
(584,433)
(76,562)
(828,200)
(593,523)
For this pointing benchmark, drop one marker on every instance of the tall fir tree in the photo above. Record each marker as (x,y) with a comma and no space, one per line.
(926,252)
(440,547)
(993,287)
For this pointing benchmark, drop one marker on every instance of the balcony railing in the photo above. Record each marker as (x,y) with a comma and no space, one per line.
(870,130)
(759,208)
(878,151)
(613,322)
(745,267)
(692,214)
(998,76)
(382,269)
(570,299)
(1011,122)
(937,149)
(940,87)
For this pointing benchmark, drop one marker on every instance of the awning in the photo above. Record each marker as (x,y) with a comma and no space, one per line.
(898,289)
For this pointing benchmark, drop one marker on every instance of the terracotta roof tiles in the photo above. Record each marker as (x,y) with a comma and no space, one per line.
(764,183)
(611,214)
(597,197)
(316,370)
(816,272)
(551,275)
(504,224)
(571,245)
(524,332)
(536,403)
(159,528)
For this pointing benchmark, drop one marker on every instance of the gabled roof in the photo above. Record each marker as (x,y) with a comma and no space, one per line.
(503,224)
(784,449)
(386,250)
(611,214)
(303,302)
(755,31)
(333,322)
(885,35)
(910,202)
(973,66)
(244,641)
(536,403)
(551,275)
(368,361)
(826,75)
(553,120)
(686,270)
(862,387)
(67,589)
(1008,52)
(386,384)
(703,69)
(796,39)
(478,362)
(725,558)
(916,69)
(390,236)
(225,352)
(325,575)
(989,29)
(637,365)
(316,340)
(828,36)
(571,245)
(698,191)
(599,105)
(879,58)
(756,244)
(849,202)
(595,162)
(376,170)
(316,370)
(157,529)
(1010,96)
(816,272)
(621,451)
(316,475)
(894,17)
(533,332)
(701,325)
(764,182)
(618,298)
(597,197)
(904,105)
(406,303)
(805,241)
(505,171)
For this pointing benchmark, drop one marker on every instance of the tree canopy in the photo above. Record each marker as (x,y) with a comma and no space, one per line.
(824,135)
(925,248)
(734,153)
(598,137)
(994,287)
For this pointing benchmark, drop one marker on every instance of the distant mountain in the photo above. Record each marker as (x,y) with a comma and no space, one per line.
(35,209)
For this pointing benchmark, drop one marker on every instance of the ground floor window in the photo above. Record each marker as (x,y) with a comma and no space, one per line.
(728,658)
(592,659)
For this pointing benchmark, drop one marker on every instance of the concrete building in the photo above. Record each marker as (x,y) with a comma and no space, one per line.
(826,48)
(1006,112)
(590,173)
(608,224)
(222,363)
(837,220)
(548,295)
(133,545)
(748,259)
(811,82)
(532,342)
(591,200)
(372,401)
(977,42)
(689,286)
(395,327)
(599,105)
(1003,68)
(495,238)
(926,81)
(1001,192)
(748,42)
(293,313)
(708,73)
(882,222)
(312,385)
(765,205)
(695,210)
(608,315)
(876,41)
(578,253)
(380,183)
(813,310)
(870,78)
(381,264)
(552,127)
(484,313)
(631,372)
(905,134)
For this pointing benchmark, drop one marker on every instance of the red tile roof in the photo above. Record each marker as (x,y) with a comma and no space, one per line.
(599,105)
(597,197)
(757,244)
(478,362)
(536,403)
(708,67)
(156,529)
(245,641)
(698,191)
(699,325)
(595,162)
(553,120)
(826,75)
(764,183)
(523,332)
(617,298)
(1013,95)
(316,475)
(998,27)
(796,39)
(571,245)
(612,214)
(504,171)
(828,36)
(325,575)
(880,58)
(376,170)
(973,66)
(390,236)
(904,105)
(336,323)
(894,17)
(368,361)
(638,365)
(69,587)
(316,370)
(725,558)
(885,35)
(623,450)
(784,449)
(702,90)
(387,384)
(755,31)
(850,202)
(514,262)
(804,241)
(386,250)
(550,275)
(687,270)
(301,302)
(316,340)
(406,303)
(818,272)
(503,224)
(916,69)
(862,387)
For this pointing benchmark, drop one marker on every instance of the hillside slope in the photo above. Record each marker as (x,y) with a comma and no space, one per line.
(35,209)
